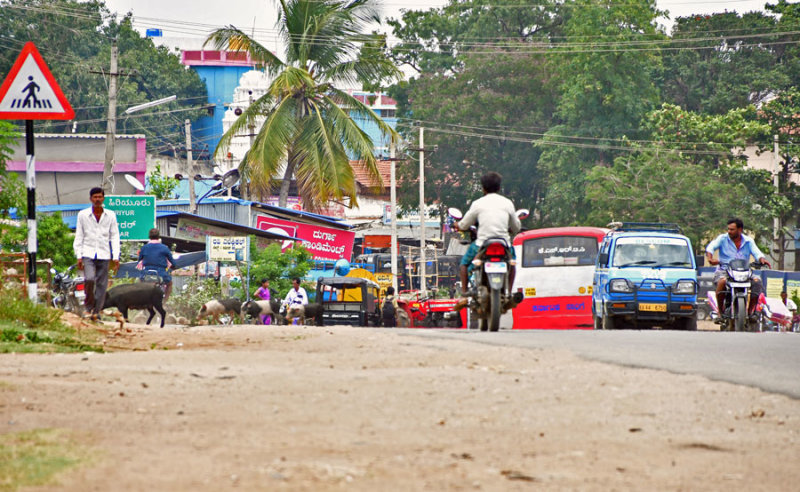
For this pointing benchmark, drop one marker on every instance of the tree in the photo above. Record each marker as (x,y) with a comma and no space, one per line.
(160,185)
(54,240)
(310,124)
(724,61)
(276,266)
(481,95)
(782,115)
(605,90)
(12,190)
(74,39)
(669,177)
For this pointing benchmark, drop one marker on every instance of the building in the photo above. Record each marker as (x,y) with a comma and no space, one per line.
(68,165)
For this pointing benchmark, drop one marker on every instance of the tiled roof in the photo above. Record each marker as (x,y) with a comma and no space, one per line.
(364,178)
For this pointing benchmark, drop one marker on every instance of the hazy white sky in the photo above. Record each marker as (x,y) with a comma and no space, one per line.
(245,14)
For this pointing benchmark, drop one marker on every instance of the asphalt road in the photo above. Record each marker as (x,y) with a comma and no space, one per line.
(769,361)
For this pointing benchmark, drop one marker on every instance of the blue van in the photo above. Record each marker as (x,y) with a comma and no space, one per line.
(645,276)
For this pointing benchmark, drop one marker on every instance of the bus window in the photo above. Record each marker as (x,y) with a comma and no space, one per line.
(559,251)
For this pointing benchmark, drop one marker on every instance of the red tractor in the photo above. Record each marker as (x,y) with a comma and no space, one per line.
(426,312)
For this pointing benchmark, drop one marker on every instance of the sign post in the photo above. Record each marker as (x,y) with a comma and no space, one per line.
(136,215)
(230,248)
(30,92)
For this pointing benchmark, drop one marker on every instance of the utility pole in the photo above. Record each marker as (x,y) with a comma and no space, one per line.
(423,287)
(394,216)
(777,221)
(111,125)
(190,167)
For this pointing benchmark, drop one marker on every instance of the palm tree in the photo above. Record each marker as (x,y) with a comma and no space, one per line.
(309,123)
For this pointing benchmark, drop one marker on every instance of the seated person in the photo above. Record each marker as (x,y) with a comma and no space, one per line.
(157,256)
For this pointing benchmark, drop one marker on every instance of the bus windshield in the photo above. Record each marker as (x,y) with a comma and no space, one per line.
(559,251)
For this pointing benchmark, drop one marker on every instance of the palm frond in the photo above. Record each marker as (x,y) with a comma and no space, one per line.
(247,119)
(233,39)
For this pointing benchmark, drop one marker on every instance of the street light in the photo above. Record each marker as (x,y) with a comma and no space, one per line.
(227,181)
(150,104)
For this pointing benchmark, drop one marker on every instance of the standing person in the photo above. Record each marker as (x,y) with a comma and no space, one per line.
(296,295)
(389,309)
(732,245)
(263,294)
(157,256)
(96,244)
(494,216)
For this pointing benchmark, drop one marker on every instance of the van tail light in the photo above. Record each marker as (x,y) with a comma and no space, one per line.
(495,250)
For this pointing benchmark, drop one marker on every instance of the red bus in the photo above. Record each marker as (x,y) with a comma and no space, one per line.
(555,269)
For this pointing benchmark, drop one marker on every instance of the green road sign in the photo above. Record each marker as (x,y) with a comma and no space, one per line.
(136,215)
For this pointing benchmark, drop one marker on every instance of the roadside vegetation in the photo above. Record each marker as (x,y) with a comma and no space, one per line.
(29,327)
(34,457)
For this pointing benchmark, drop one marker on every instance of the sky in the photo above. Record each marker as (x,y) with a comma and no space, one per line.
(191,18)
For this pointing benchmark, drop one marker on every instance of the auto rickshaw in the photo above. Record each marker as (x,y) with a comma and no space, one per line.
(349,301)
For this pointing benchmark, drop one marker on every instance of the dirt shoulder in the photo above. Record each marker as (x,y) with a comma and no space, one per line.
(313,408)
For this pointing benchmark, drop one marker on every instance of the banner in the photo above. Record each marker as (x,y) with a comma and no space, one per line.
(324,243)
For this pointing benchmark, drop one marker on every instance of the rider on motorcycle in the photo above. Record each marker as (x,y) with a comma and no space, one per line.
(157,256)
(732,245)
(497,218)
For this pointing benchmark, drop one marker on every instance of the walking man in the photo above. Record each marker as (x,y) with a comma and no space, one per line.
(96,245)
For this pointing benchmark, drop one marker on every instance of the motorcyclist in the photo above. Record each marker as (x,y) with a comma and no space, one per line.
(497,218)
(731,245)
(157,256)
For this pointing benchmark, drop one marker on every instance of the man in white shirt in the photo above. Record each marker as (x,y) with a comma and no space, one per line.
(96,244)
(296,295)
(495,216)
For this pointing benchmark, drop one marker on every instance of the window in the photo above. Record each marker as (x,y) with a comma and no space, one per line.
(559,251)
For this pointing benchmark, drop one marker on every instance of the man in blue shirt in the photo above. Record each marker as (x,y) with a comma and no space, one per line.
(156,256)
(732,245)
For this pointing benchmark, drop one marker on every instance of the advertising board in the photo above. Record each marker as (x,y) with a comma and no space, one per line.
(324,243)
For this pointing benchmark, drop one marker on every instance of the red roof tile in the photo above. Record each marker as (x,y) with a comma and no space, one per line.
(363,177)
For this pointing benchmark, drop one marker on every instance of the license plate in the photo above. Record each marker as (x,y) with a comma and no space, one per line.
(530,291)
(495,267)
(658,308)
(80,294)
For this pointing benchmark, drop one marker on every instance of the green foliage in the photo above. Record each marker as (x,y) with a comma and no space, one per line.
(278,267)
(310,128)
(74,38)
(196,293)
(12,189)
(697,186)
(15,306)
(161,185)
(722,66)
(53,237)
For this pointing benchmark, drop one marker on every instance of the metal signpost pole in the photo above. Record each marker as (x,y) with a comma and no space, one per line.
(30,182)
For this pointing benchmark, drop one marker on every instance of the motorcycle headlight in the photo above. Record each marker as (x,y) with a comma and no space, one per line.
(684,287)
(741,276)
(620,285)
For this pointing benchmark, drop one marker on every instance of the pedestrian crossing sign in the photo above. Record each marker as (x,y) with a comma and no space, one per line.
(30,92)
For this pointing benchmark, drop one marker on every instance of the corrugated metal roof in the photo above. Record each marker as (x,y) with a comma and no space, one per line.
(91,136)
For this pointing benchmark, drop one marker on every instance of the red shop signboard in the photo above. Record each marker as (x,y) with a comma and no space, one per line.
(324,243)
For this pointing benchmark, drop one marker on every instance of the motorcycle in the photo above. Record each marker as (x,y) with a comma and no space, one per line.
(490,291)
(68,291)
(772,315)
(738,315)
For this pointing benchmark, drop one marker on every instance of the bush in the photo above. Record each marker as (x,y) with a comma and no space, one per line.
(196,293)
(15,306)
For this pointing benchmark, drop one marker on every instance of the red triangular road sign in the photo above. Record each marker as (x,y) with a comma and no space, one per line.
(30,91)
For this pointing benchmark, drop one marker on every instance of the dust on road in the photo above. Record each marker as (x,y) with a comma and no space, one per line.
(336,408)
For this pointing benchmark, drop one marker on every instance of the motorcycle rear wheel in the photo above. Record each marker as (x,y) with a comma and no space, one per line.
(494,324)
(740,316)
(75,306)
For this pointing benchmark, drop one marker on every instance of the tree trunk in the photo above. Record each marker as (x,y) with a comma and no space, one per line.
(283,197)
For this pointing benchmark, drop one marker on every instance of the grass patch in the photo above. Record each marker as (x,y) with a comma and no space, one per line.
(34,457)
(26,326)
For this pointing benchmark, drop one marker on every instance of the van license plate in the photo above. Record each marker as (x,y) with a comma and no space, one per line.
(658,308)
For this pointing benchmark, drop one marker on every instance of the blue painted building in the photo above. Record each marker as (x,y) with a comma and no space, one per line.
(222,71)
